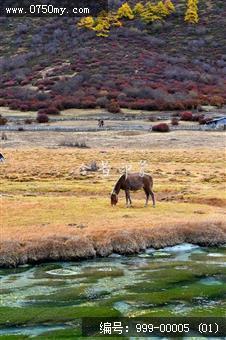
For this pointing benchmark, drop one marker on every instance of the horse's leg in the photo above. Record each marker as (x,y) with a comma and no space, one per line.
(147,193)
(128,199)
(153,198)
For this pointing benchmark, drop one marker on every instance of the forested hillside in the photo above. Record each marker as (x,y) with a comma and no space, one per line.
(166,63)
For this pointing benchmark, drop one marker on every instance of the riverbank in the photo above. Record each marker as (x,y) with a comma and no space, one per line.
(106,242)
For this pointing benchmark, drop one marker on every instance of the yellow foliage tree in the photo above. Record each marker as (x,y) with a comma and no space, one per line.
(113,20)
(169,5)
(102,26)
(87,22)
(150,13)
(161,9)
(191,15)
(125,11)
(138,8)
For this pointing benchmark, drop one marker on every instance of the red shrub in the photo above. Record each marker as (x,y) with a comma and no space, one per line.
(142,104)
(14,105)
(10,83)
(186,116)
(88,104)
(28,121)
(204,120)
(70,104)
(217,100)
(49,111)
(113,106)
(197,118)
(175,121)
(42,118)
(24,107)
(24,82)
(2,102)
(3,120)
(162,127)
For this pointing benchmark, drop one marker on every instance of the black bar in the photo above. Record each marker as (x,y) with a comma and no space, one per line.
(155,326)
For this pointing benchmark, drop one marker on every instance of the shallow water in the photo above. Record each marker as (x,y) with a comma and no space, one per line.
(48,299)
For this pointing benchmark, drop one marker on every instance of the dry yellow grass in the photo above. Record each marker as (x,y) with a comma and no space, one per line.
(46,202)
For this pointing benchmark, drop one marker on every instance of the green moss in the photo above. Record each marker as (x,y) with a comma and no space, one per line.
(179,293)
(14,337)
(37,315)
(165,278)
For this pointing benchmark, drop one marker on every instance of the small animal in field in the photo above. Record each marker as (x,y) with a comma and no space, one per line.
(2,159)
(133,182)
(100,123)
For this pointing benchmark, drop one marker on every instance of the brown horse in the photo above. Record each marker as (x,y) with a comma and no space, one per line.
(133,182)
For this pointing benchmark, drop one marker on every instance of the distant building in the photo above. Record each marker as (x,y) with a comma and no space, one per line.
(217,123)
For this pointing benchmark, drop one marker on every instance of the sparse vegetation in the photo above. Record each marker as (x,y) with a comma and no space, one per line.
(74,143)
(42,118)
(161,127)
(186,116)
(3,120)
(113,106)
(175,121)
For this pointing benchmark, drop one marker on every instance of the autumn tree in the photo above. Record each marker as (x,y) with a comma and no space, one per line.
(153,12)
(161,9)
(87,22)
(138,8)
(150,13)
(191,15)
(125,11)
(169,5)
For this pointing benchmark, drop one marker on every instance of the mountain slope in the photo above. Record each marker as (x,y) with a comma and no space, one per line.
(51,64)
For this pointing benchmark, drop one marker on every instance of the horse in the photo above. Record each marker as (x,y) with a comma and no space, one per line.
(133,182)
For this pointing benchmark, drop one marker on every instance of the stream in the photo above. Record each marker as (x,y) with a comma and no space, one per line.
(49,299)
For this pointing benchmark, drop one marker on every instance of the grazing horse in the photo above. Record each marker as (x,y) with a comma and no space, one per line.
(133,182)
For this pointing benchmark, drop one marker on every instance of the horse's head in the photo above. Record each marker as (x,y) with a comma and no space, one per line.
(114,198)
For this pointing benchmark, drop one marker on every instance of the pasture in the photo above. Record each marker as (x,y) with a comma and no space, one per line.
(46,200)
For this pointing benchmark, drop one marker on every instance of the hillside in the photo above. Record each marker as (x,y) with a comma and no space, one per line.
(51,64)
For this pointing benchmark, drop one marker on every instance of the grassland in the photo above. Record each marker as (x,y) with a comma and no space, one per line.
(49,210)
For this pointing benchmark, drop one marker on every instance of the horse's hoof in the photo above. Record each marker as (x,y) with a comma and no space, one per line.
(153,206)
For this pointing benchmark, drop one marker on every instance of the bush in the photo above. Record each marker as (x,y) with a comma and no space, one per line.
(186,116)
(152,118)
(74,144)
(49,111)
(42,118)
(113,106)
(197,118)
(24,107)
(162,127)
(217,100)
(3,120)
(2,102)
(175,121)
(28,121)
(204,120)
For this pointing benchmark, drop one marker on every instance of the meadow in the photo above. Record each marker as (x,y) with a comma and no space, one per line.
(51,210)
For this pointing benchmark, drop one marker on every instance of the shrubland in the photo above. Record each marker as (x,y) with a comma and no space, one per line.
(158,55)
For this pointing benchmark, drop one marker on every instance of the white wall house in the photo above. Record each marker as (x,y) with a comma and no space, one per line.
(218,124)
